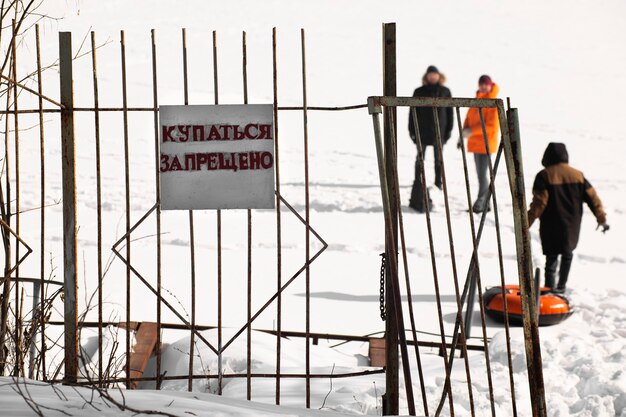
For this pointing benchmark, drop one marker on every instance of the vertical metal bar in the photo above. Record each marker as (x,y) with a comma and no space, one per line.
(405,263)
(249,294)
(278,220)
(219,241)
(6,213)
(467,188)
(393,262)
(192,341)
(32,348)
(307,236)
(191,237)
(42,200)
(420,154)
(507,331)
(513,154)
(6,240)
(455,277)
(476,270)
(19,358)
(127,194)
(69,208)
(38,287)
(155,103)
(478,280)
(20,320)
(98,201)
(391,327)
(468,317)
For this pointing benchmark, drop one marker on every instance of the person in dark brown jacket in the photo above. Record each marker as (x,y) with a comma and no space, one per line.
(559,191)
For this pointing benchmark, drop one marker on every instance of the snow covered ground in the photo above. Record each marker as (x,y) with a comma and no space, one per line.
(560,62)
(583,370)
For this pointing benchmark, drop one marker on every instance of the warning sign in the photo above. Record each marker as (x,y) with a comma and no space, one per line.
(217,157)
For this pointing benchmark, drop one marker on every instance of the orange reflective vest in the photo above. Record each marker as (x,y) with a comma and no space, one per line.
(476,142)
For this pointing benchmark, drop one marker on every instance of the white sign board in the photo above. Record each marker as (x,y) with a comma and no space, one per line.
(217,157)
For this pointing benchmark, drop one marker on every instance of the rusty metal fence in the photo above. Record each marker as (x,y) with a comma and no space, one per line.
(72,321)
(122,249)
(46,298)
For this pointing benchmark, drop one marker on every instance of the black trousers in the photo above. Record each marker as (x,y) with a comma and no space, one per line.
(551,267)
(417,192)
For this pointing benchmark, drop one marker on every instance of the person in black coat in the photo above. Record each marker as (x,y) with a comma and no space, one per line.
(559,192)
(432,86)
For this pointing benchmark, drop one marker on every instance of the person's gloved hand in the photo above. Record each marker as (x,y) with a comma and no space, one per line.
(413,138)
(467,132)
(604,227)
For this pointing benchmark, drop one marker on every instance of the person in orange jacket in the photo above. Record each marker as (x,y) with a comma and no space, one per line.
(473,132)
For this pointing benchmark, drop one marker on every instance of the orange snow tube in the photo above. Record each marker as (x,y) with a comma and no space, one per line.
(553,308)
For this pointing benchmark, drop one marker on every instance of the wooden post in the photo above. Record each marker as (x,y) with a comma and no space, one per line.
(377,352)
(391,328)
(69,208)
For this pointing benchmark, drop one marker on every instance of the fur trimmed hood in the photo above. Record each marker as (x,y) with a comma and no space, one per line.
(442,79)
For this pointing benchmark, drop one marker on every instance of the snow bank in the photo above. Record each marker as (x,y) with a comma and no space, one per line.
(85,402)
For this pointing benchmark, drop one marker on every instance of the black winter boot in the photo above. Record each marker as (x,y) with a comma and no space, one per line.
(564,268)
(550,271)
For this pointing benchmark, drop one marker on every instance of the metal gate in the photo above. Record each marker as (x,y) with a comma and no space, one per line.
(68,368)
(26,331)
(510,147)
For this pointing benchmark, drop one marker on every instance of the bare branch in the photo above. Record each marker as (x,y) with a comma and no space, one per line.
(80,48)
(331,387)
(87,402)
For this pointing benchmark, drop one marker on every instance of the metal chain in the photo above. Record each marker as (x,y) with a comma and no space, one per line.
(383,313)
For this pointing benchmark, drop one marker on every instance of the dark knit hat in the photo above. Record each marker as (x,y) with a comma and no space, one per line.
(485,79)
(432,68)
